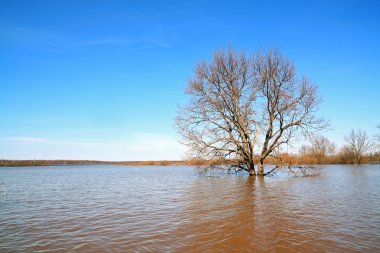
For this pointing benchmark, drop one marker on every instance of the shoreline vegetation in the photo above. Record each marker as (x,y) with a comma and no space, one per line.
(21,163)
(373,158)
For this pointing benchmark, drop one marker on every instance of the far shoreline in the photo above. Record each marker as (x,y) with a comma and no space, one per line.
(32,163)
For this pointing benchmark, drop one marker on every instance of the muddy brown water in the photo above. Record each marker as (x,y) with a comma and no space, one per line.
(173,209)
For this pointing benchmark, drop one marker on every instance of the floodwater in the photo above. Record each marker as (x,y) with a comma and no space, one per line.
(173,209)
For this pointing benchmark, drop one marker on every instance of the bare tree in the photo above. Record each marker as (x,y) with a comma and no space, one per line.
(320,147)
(346,154)
(243,109)
(358,144)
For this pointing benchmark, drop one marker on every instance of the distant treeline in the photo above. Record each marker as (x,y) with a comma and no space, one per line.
(286,158)
(339,158)
(20,163)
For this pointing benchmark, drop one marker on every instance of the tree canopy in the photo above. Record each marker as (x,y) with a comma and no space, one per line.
(244,109)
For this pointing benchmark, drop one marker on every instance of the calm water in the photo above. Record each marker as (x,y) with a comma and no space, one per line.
(172,209)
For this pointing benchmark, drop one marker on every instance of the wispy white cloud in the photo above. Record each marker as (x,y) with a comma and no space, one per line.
(53,40)
(137,146)
(152,141)
(58,142)
(142,44)
(103,42)
(46,120)
(12,31)
(23,139)
(84,144)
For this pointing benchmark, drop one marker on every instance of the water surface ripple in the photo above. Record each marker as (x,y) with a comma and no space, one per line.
(173,209)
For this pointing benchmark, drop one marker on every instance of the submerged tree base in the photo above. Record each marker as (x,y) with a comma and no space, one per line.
(269,170)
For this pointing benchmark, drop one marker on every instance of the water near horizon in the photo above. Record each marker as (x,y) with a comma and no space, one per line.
(173,209)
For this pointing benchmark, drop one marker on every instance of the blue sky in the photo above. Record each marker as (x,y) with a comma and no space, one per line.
(97,79)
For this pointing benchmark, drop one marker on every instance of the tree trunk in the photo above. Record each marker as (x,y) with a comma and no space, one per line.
(251,170)
(359,160)
(260,169)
